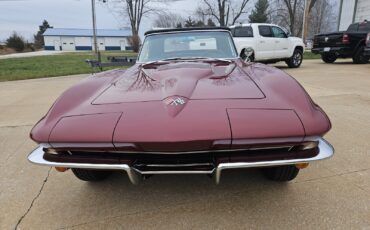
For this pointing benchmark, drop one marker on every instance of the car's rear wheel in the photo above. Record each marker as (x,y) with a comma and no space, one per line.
(359,57)
(90,174)
(296,59)
(329,57)
(281,173)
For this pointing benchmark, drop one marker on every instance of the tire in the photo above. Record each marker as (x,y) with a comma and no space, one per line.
(281,173)
(295,60)
(328,58)
(359,57)
(91,175)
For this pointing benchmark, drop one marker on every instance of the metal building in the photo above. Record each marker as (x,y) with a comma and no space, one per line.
(82,39)
(353,11)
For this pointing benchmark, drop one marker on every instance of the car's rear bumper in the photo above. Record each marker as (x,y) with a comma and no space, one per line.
(339,51)
(325,150)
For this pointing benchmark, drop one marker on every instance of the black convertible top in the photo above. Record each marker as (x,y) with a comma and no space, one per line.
(185,29)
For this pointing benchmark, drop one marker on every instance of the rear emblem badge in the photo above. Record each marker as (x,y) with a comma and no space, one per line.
(326,39)
(174,101)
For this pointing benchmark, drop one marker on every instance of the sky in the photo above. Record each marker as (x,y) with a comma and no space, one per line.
(24,16)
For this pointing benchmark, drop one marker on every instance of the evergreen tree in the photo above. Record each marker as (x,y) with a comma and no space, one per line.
(210,23)
(199,23)
(16,42)
(259,13)
(189,22)
(38,38)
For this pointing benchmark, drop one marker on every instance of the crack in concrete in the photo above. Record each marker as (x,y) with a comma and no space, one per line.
(15,126)
(33,201)
(325,177)
(190,202)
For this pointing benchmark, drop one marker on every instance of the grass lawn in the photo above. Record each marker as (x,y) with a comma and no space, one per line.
(309,55)
(50,66)
(60,65)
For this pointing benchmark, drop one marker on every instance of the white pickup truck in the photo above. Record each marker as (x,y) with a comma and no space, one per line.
(267,43)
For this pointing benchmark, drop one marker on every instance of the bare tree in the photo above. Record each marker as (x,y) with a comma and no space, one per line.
(201,14)
(226,12)
(289,14)
(307,12)
(322,18)
(167,20)
(135,11)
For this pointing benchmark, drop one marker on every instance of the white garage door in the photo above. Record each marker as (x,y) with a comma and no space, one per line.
(68,43)
(101,43)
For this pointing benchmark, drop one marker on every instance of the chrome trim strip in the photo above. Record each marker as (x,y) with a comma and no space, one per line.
(135,176)
(188,152)
(174,172)
(37,157)
(175,165)
(326,151)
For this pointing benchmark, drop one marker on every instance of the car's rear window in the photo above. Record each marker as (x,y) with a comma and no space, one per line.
(353,27)
(179,44)
(364,26)
(188,44)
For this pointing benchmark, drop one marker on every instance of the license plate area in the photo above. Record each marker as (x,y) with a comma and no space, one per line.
(327,49)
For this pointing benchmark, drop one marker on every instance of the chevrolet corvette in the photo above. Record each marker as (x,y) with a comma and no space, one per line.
(189,105)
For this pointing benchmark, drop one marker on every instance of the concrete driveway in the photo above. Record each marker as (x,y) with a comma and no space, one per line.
(333,194)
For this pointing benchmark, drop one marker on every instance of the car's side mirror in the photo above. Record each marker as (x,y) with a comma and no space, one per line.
(247,54)
(288,34)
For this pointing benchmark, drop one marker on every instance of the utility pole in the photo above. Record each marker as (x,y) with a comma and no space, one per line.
(96,49)
(305,19)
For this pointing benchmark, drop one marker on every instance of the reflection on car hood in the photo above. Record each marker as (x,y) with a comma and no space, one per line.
(190,80)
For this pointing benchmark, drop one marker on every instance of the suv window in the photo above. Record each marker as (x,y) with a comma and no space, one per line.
(278,33)
(245,31)
(265,31)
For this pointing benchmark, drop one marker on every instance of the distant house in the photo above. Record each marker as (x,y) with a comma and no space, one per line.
(353,11)
(82,39)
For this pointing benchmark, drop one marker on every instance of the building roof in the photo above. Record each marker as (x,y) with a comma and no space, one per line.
(185,29)
(87,32)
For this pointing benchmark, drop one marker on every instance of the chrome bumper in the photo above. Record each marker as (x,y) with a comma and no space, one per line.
(325,151)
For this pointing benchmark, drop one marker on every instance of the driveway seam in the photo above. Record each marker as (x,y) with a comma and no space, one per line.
(34,199)
(15,126)
(325,177)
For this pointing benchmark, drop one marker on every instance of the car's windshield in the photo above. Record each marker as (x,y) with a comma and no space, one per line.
(194,44)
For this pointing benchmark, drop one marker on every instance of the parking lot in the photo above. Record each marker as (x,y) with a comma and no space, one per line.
(332,194)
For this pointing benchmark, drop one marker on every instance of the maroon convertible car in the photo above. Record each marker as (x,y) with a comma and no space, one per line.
(189,105)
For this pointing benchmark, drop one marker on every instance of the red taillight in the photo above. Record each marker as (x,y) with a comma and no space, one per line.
(345,39)
(368,39)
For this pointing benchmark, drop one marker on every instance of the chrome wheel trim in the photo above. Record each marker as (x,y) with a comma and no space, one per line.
(297,58)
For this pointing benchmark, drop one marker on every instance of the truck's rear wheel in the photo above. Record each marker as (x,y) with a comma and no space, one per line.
(295,60)
(281,173)
(90,174)
(359,57)
(328,57)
